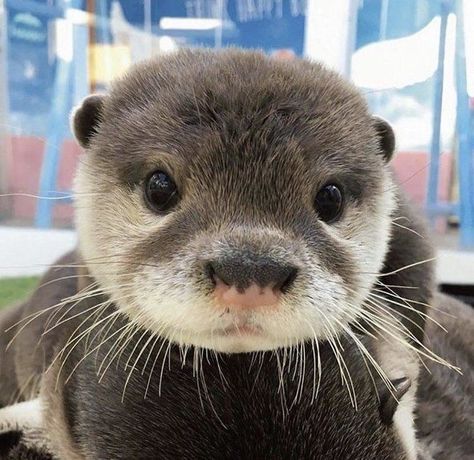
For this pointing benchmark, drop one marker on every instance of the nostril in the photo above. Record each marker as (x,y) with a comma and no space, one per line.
(212,273)
(288,277)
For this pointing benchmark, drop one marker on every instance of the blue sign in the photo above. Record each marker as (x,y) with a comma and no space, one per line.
(30,70)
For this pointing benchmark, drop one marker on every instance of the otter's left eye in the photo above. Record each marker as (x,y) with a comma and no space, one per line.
(329,203)
(161,192)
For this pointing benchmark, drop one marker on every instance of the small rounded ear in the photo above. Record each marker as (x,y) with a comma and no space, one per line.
(86,118)
(390,398)
(386,137)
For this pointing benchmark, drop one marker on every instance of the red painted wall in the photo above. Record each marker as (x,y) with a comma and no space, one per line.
(24,160)
(412,168)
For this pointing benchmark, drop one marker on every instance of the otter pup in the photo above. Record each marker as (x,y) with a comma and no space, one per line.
(229,204)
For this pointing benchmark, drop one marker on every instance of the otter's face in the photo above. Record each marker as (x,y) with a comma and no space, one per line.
(234,202)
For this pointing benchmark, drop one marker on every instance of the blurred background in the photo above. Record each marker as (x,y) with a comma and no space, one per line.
(413,59)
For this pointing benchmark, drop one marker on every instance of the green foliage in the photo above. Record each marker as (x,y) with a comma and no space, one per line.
(14,289)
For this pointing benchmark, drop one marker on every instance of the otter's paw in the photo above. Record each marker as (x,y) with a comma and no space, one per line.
(21,433)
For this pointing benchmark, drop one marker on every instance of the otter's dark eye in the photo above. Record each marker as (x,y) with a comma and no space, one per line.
(328,203)
(161,192)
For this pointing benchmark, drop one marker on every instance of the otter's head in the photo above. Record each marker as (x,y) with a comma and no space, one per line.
(234,202)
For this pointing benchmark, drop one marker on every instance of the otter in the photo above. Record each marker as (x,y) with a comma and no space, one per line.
(239,210)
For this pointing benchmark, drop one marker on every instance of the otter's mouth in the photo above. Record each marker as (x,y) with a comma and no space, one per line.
(243,330)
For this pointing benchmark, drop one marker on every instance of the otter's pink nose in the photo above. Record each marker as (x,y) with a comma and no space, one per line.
(249,282)
(251,297)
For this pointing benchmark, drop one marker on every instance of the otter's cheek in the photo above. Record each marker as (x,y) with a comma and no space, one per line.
(166,301)
(366,233)
(105,242)
(374,233)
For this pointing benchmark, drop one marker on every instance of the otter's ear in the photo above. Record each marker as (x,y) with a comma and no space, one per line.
(86,118)
(386,137)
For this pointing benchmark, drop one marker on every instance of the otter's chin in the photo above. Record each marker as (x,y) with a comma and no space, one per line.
(241,344)
(246,340)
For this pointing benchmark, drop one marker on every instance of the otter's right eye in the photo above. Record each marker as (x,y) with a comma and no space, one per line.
(328,203)
(161,192)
